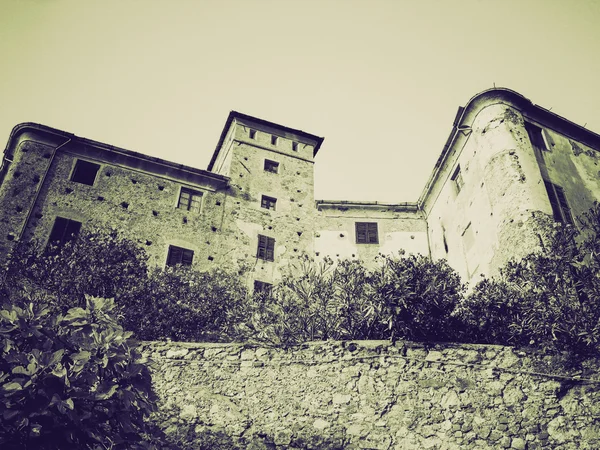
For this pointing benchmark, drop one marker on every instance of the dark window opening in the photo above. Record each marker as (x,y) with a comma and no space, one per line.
(271,166)
(294,146)
(179,255)
(536,136)
(260,287)
(252,133)
(560,208)
(458,180)
(85,172)
(266,248)
(273,140)
(189,200)
(63,231)
(366,233)
(268,202)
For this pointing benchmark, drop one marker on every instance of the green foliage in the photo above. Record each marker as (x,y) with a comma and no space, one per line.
(550,298)
(410,297)
(182,304)
(98,263)
(72,380)
(419,296)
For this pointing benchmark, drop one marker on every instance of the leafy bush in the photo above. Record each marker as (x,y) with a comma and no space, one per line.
(98,263)
(182,304)
(410,297)
(71,380)
(418,296)
(550,298)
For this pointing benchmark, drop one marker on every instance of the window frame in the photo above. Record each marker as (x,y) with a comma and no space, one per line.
(191,193)
(274,139)
(266,248)
(270,202)
(262,287)
(270,164)
(80,170)
(537,136)
(370,232)
(561,210)
(295,146)
(64,237)
(252,133)
(181,258)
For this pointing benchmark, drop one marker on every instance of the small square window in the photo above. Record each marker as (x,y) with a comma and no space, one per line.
(268,202)
(260,287)
(457,180)
(85,172)
(273,139)
(266,248)
(271,166)
(366,233)
(63,231)
(189,200)
(252,133)
(179,255)
(294,146)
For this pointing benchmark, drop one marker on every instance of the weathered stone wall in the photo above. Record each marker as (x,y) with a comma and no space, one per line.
(371,394)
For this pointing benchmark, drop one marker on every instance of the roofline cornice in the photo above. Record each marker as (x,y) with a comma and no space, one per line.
(35,127)
(466,115)
(237,115)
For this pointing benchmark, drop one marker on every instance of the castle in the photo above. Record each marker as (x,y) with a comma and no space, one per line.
(507,165)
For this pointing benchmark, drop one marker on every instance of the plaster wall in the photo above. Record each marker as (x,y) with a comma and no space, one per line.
(399,229)
(498,212)
(371,394)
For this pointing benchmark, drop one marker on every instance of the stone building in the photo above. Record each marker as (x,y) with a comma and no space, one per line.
(506,165)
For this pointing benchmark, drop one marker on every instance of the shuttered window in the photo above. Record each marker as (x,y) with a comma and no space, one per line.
(558,201)
(179,255)
(266,248)
(458,180)
(268,202)
(189,200)
(366,233)
(63,230)
(271,166)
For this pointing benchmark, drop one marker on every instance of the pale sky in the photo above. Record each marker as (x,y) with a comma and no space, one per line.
(380,80)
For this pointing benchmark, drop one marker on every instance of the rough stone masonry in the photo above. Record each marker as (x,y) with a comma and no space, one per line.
(373,395)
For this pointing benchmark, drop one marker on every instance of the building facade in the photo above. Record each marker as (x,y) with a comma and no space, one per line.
(507,166)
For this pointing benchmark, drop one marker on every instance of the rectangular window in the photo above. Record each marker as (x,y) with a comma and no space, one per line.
(294,146)
(536,136)
(179,255)
(85,172)
(468,237)
(266,248)
(560,208)
(63,230)
(189,200)
(366,233)
(457,179)
(273,140)
(268,202)
(271,166)
(260,287)
(252,133)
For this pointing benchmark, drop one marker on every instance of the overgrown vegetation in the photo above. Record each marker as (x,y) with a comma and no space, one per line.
(550,298)
(72,380)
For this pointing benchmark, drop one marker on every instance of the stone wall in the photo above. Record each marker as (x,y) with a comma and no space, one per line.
(371,394)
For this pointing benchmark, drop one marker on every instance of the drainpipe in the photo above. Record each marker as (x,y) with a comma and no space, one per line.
(39,188)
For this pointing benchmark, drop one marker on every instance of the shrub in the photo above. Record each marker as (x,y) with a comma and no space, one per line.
(70,381)
(551,298)
(98,263)
(418,297)
(182,304)
(410,297)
